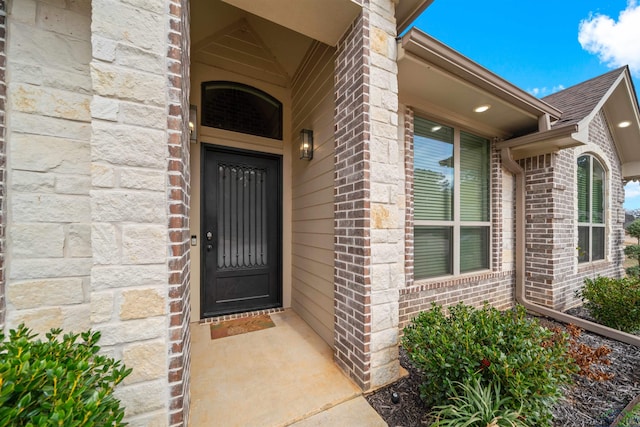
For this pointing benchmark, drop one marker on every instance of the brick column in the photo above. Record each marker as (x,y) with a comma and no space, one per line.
(369,199)
(178,194)
(3,188)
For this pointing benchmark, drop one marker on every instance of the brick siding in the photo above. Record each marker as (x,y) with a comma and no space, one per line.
(352,275)
(179,191)
(3,189)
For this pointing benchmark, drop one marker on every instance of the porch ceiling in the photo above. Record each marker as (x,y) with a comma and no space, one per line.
(444,84)
(324,20)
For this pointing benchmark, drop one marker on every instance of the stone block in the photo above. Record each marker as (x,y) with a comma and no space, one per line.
(384,357)
(73,184)
(23,11)
(25,73)
(36,46)
(139,59)
(102,307)
(104,49)
(133,25)
(49,208)
(121,206)
(63,21)
(40,320)
(105,241)
(132,330)
(142,303)
(140,179)
(105,108)
(44,268)
(156,419)
(383,339)
(102,175)
(144,244)
(384,216)
(143,115)
(71,81)
(148,360)
(49,102)
(47,292)
(384,316)
(39,126)
(36,240)
(32,182)
(79,241)
(42,153)
(76,318)
(142,397)
(150,5)
(121,83)
(128,145)
(82,7)
(108,277)
(385,374)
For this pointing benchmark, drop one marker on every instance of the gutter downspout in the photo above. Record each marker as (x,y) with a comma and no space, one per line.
(514,167)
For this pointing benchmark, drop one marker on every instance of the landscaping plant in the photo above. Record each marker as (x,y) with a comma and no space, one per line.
(61,381)
(477,406)
(613,302)
(508,349)
(633,251)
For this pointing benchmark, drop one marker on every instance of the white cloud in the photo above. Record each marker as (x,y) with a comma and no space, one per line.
(544,91)
(616,43)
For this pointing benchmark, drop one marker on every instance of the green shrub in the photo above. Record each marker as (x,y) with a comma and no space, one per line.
(478,406)
(60,381)
(509,349)
(613,302)
(633,271)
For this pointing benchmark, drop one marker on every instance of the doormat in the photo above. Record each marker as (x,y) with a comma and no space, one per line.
(241,326)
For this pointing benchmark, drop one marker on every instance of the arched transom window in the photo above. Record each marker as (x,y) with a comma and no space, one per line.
(591,209)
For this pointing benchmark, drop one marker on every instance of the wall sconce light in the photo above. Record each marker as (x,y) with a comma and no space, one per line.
(306,144)
(193,122)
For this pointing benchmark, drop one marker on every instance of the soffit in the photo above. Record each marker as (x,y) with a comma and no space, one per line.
(622,105)
(243,37)
(325,20)
(408,10)
(443,83)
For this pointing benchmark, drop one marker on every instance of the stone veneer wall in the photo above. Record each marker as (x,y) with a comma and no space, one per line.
(48,258)
(97,168)
(495,286)
(3,173)
(369,199)
(552,270)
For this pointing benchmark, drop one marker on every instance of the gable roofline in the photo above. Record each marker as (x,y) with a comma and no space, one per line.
(437,53)
(614,94)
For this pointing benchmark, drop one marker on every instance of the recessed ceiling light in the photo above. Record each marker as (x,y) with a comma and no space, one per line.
(482,108)
(624,124)
(436,128)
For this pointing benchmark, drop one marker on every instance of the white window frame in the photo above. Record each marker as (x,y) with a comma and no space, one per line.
(457,223)
(605,200)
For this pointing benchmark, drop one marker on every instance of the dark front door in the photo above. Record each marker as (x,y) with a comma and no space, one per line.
(241,232)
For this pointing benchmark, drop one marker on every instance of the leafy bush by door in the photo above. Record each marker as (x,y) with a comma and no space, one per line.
(60,381)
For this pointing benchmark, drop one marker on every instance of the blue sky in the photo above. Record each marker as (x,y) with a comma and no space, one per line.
(543,46)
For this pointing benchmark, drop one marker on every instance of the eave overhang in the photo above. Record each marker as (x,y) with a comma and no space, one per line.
(545,142)
(408,10)
(437,79)
(325,20)
(621,104)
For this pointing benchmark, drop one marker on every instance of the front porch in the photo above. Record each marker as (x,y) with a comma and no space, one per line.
(280,376)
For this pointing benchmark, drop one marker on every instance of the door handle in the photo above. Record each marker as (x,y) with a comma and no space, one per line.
(209,247)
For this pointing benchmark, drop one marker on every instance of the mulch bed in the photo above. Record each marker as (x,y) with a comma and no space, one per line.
(586,403)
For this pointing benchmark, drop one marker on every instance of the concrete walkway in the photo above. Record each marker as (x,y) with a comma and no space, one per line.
(280,376)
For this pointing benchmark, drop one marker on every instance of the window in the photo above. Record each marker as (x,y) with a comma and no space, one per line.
(451,201)
(591,209)
(241,108)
